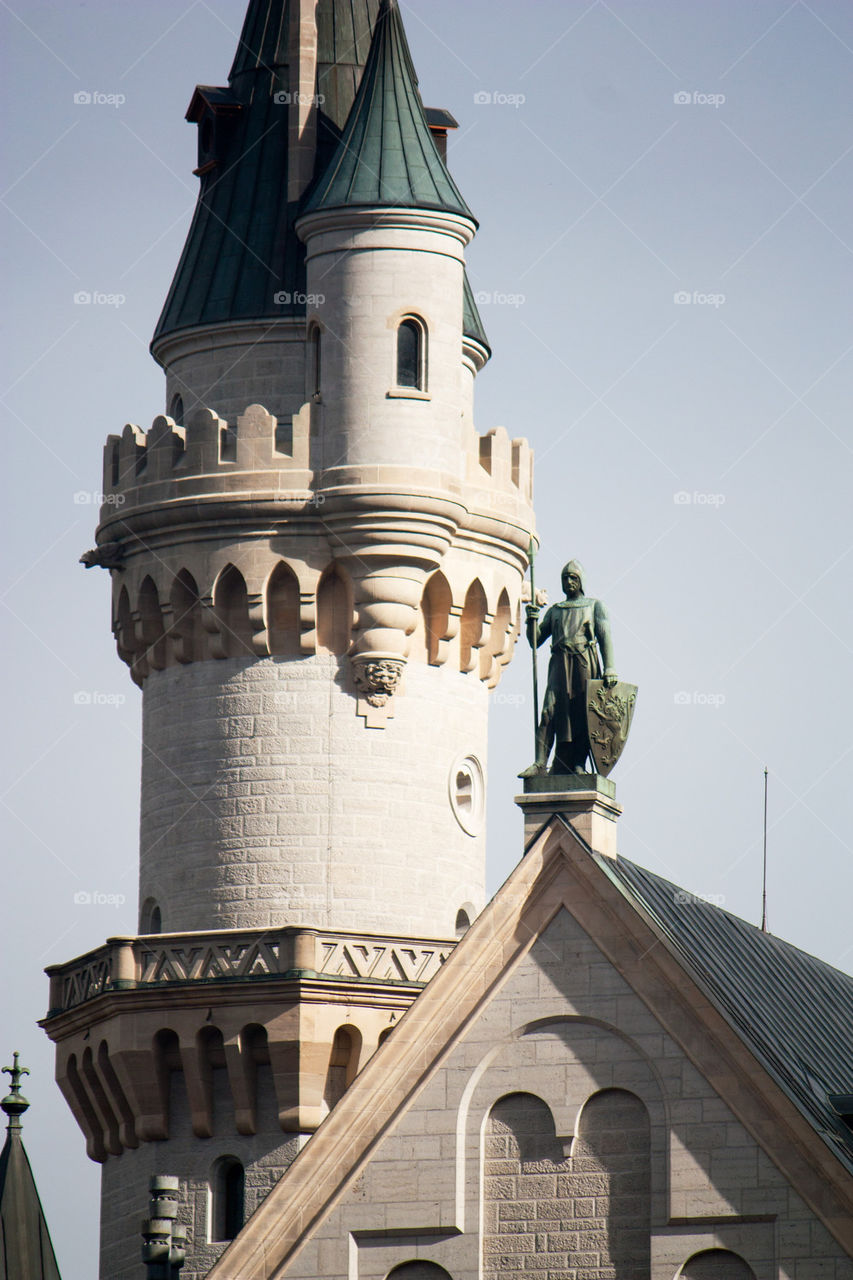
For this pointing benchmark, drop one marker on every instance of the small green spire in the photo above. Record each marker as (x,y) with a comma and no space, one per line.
(15,1104)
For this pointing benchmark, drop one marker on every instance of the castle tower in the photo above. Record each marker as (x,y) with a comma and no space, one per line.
(316,569)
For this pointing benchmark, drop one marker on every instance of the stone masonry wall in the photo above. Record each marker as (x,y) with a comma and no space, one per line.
(564,1025)
(266,801)
(584,1215)
(124,1179)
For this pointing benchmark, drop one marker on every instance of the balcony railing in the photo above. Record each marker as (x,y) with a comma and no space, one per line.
(230,955)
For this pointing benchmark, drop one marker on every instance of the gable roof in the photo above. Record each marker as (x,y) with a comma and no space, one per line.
(559,871)
(794,1011)
(386,155)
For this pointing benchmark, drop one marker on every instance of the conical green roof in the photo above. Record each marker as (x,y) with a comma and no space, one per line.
(242,259)
(26,1252)
(386,155)
(472,324)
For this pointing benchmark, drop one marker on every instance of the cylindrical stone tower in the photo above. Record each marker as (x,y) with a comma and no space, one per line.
(316,571)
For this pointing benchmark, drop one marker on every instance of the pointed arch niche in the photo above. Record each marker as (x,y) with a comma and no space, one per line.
(231,605)
(434,622)
(334,612)
(471,626)
(283,612)
(187,630)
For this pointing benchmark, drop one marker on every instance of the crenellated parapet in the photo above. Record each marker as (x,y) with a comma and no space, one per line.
(229,541)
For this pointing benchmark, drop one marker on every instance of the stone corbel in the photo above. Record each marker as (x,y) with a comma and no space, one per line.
(377,679)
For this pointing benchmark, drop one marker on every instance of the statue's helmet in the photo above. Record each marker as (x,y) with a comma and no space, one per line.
(573,566)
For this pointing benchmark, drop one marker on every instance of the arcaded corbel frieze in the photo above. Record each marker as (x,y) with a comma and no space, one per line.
(106,1117)
(146,1094)
(284,1061)
(123,1111)
(199,1085)
(213,628)
(308,620)
(74,1092)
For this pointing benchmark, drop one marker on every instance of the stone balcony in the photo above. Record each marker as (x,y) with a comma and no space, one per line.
(228,955)
(305,1008)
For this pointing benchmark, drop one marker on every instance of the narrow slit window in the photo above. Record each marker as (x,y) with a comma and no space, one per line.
(411,363)
(316,363)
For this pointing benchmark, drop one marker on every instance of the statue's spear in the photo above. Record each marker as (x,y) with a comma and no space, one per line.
(531,555)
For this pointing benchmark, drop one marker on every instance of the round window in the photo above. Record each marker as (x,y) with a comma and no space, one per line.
(467,794)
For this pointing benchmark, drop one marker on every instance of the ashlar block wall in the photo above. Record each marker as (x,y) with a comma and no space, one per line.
(568,1135)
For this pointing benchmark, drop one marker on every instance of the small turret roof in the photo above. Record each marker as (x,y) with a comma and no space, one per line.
(472,324)
(242,259)
(25,1247)
(386,154)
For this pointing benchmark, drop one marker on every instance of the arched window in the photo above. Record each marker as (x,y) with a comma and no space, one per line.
(151,920)
(228,1194)
(411,354)
(176,409)
(463,922)
(418,1269)
(716,1264)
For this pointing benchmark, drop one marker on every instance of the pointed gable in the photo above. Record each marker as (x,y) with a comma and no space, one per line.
(564,994)
(386,155)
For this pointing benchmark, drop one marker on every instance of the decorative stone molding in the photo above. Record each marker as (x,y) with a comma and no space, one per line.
(377,680)
(136,1007)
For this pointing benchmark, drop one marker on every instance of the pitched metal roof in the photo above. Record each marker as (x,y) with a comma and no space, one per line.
(386,155)
(472,324)
(241,252)
(26,1252)
(794,1011)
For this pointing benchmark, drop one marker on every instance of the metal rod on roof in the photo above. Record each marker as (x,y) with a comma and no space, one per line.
(764,872)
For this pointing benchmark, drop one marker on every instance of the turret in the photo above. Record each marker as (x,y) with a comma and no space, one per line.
(316,569)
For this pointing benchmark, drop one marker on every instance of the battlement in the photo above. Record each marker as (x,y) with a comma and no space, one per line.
(208,456)
(137,464)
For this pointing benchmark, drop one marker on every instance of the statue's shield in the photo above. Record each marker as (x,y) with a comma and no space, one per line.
(609,713)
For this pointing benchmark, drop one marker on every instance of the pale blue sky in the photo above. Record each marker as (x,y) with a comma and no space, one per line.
(601,197)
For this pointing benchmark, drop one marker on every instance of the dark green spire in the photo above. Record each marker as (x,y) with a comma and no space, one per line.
(386,155)
(25,1247)
(242,259)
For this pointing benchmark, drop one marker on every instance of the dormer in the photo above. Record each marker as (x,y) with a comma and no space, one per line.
(213,109)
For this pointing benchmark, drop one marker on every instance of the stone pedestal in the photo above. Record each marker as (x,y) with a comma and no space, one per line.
(586,800)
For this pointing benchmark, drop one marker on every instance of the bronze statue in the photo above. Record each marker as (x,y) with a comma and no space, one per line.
(579,628)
